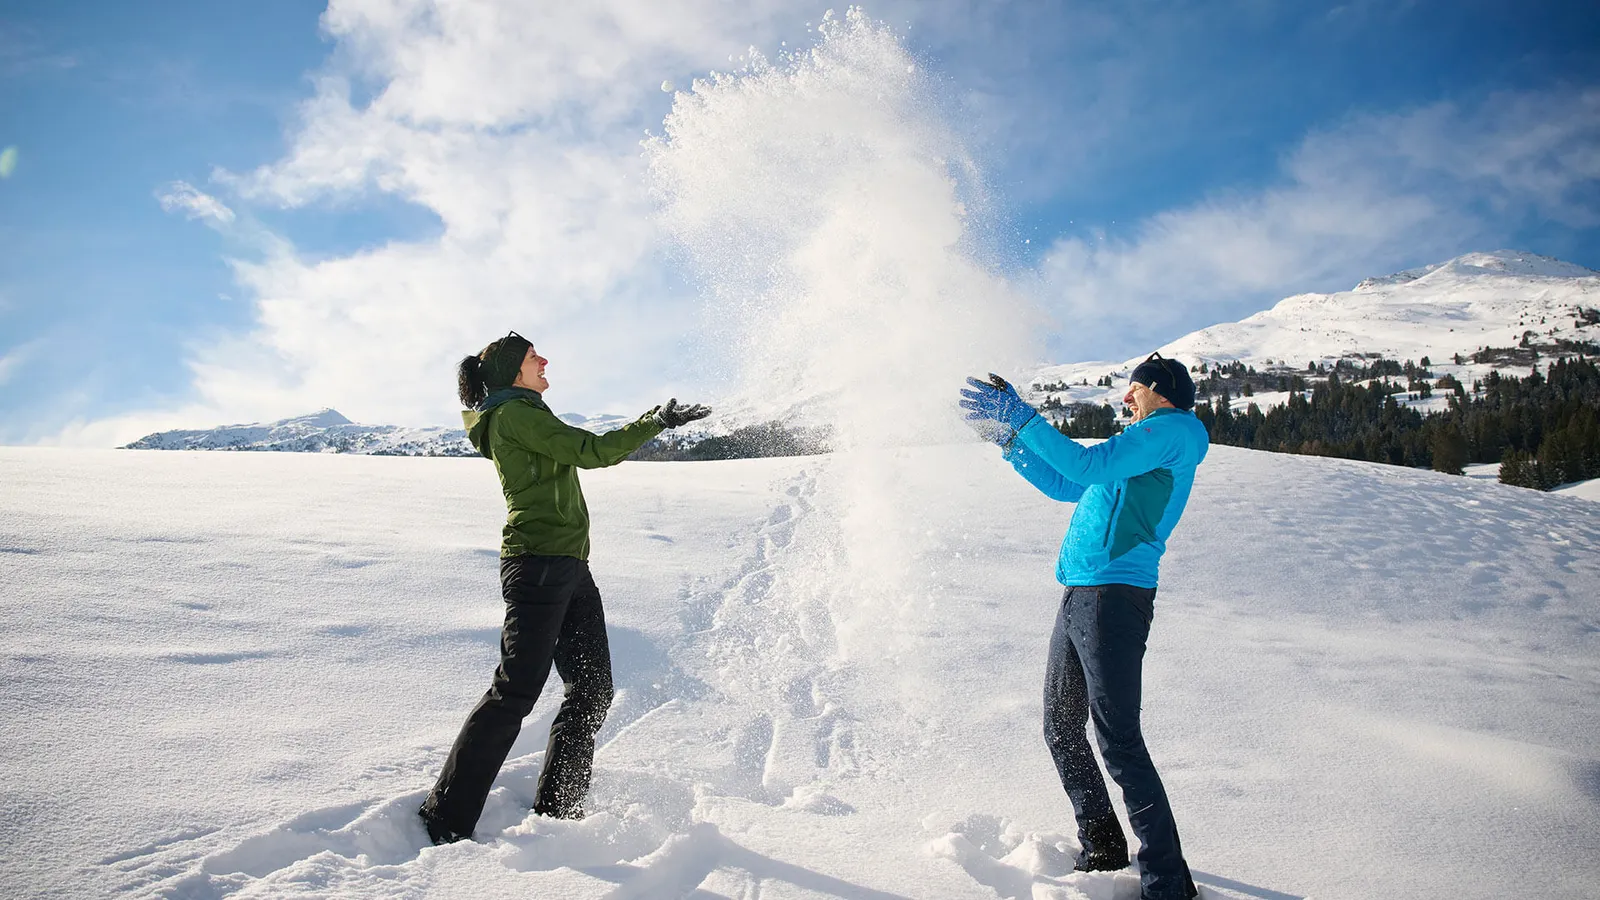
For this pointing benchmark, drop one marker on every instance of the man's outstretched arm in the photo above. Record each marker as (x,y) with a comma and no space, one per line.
(1041,474)
(1134,452)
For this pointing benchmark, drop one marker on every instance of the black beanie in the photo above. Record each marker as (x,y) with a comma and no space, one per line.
(1166,377)
(502,361)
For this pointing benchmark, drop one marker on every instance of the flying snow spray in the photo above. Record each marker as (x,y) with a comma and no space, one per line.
(825,204)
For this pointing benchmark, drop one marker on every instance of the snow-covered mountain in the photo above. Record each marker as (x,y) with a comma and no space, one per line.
(326,431)
(1503,299)
(1536,307)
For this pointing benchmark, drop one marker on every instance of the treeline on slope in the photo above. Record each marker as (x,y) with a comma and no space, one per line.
(1088,420)
(766,439)
(1542,429)
(1245,381)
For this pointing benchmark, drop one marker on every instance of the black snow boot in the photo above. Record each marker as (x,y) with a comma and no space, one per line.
(1094,863)
(552,811)
(1105,849)
(438,832)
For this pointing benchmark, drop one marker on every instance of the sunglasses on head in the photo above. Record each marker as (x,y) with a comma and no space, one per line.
(1160,360)
(500,345)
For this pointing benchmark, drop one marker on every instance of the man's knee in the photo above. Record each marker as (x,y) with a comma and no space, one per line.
(1117,730)
(1124,751)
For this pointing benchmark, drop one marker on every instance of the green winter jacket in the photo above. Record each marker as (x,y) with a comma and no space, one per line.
(537,456)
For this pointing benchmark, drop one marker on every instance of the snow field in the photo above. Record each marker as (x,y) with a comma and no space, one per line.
(1587,490)
(237,674)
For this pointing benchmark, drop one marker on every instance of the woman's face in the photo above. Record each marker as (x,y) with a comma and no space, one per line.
(531,375)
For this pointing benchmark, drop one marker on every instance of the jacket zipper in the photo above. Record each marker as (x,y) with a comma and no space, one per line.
(1116,498)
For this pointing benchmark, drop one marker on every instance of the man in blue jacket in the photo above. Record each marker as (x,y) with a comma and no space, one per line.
(1130,491)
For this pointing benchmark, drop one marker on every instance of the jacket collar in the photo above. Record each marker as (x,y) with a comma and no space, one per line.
(507,394)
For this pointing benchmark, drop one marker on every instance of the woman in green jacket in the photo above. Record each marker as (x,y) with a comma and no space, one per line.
(553,611)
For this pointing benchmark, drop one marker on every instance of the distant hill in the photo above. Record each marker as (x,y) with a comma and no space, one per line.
(327,431)
(324,431)
(1502,311)
(1483,359)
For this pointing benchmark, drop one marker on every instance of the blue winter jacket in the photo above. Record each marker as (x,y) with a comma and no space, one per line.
(1130,491)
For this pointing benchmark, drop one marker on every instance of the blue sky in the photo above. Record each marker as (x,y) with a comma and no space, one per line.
(228,212)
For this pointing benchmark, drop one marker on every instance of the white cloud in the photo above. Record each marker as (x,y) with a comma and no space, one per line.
(1377,194)
(24,52)
(518,124)
(181,196)
(15,358)
(119,430)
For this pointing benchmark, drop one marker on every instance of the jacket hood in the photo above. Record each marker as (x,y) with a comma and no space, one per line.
(477,419)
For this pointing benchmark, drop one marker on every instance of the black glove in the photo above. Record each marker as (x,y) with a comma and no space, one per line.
(672,415)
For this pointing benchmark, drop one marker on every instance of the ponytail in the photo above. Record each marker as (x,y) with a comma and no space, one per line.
(469,382)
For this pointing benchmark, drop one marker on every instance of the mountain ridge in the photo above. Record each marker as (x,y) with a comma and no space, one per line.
(1446,312)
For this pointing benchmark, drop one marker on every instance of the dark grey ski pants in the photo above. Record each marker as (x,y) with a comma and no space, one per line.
(1094,673)
(553,614)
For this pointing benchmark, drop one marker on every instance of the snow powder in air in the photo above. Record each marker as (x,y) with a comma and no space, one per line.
(825,203)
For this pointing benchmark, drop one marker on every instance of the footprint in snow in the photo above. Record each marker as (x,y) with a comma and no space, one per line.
(1027,865)
(345,836)
(1037,865)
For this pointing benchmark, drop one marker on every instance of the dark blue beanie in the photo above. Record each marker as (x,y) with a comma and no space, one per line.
(1166,377)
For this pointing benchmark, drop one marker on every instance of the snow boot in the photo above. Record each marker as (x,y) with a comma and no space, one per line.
(438,832)
(1105,849)
(1097,863)
(1190,891)
(559,812)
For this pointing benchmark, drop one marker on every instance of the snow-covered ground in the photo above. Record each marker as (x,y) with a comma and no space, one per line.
(1588,490)
(236,674)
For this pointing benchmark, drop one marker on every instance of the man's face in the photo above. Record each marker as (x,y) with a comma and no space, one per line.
(1143,401)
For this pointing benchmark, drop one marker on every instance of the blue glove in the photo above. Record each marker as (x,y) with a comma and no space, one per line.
(996,400)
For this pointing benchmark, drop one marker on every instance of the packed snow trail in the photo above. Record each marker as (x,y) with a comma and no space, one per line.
(244,688)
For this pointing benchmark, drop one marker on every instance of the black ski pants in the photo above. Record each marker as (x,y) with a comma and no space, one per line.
(1094,673)
(553,614)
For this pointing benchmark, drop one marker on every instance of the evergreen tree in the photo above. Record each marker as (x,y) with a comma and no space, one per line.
(1543,428)
(1449,448)
(1090,421)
